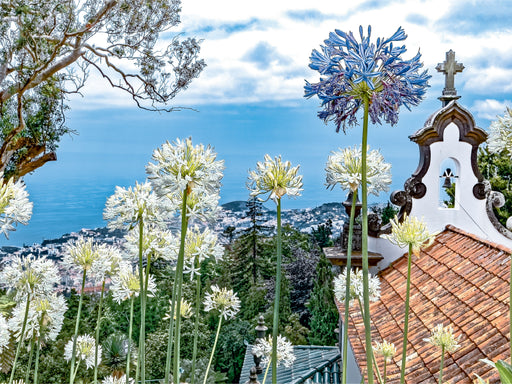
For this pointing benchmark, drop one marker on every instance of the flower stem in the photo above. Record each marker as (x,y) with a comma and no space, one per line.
(141,366)
(374,360)
(275,324)
(30,356)
(170,338)
(213,350)
(442,365)
(129,355)
(406,319)
(179,282)
(98,321)
(364,245)
(196,325)
(22,336)
(347,286)
(385,370)
(266,372)
(77,324)
(36,368)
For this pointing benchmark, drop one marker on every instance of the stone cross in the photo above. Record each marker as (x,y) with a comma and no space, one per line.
(450,67)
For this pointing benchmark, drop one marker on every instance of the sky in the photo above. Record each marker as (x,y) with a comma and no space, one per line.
(249,99)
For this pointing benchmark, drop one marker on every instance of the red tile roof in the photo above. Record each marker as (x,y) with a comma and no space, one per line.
(460,280)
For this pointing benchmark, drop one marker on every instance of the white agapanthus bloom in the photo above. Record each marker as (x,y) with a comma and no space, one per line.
(47,312)
(128,206)
(500,134)
(85,350)
(183,166)
(443,337)
(156,242)
(222,300)
(199,245)
(126,283)
(81,254)
(411,231)
(107,264)
(345,166)
(117,380)
(186,310)
(275,177)
(263,349)
(356,286)
(30,276)
(4,333)
(14,205)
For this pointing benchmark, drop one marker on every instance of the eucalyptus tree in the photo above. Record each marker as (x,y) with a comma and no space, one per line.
(48,49)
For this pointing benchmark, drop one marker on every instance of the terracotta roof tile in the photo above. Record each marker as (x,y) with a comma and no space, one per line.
(460,280)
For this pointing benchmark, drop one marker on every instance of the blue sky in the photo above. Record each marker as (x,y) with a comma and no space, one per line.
(249,99)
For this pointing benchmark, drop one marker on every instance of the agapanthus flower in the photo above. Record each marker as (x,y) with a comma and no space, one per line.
(4,333)
(275,177)
(410,231)
(351,71)
(81,254)
(14,205)
(222,300)
(107,264)
(30,276)
(85,349)
(182,166)
(263,349)
(156,242)
(199,245)
(117,380)
(47,311)
(356,286)
(185,309)
(127,206)
(344,167)
(385,349)
(443,337)
(500,134)
(126,283)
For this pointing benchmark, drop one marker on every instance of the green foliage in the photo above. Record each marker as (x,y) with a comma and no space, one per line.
(324,314)
(497,168)
(504,368)
(322,234)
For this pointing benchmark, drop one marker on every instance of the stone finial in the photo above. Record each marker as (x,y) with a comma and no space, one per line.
(261,331)
(449,67)
(253,377)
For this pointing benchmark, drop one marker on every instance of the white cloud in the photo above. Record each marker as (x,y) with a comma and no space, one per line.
(490,108)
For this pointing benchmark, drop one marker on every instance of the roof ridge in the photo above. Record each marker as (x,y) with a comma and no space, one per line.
(455,229)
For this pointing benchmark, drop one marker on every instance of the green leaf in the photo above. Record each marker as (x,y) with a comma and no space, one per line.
(505,370)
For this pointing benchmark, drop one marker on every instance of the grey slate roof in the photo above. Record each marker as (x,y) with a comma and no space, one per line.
(309,358)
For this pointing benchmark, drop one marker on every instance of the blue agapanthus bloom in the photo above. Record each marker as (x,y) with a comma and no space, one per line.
(350,70)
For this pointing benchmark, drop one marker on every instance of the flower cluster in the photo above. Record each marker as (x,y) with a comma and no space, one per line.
(126,283)
(443,337)
(275,176)
(4,333)
(107,264)
(345,167)
(410,231)
(356,286)
(117,380)
(385,349)
(352,71)
(29,275)
(180,167)
(500,134)
(126,207)
(85,349)
(185,310)
(14,205)
(156,242)
(223,300)
(263,349)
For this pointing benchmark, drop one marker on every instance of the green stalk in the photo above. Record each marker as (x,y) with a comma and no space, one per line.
(196,324)
(22,336)
(385,370)
(128,357)
(30,356)
(374,360)
(406,320)
(275,324)
(213,350)
(170,338)
(442,365)
(364,247)
(98,321)
(179,282)
(36,368)
(141,366)
(266,372)
(77,323)
(347,286)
